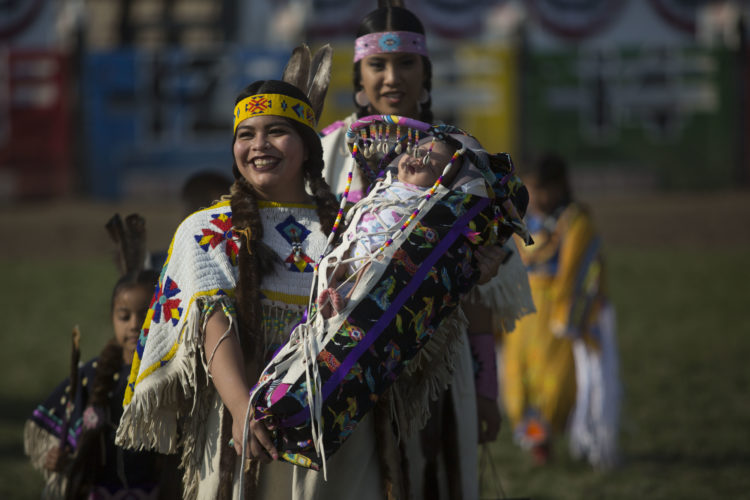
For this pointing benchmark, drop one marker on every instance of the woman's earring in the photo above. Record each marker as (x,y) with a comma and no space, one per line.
(361,99)
(424,96)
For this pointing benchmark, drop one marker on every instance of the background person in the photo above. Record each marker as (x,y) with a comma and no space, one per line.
(392,74)
(89,464)
(569,342)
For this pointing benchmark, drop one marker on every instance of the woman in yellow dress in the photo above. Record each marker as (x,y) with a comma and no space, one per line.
(559,367)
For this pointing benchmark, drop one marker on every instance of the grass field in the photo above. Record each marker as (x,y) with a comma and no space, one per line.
(679,277)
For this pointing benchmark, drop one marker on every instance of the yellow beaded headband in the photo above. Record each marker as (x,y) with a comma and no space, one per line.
(275,105)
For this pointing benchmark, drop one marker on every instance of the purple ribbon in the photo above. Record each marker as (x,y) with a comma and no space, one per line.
(388,315)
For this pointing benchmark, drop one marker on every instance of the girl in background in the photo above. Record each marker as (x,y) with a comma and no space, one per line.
(88,464)
(560,365)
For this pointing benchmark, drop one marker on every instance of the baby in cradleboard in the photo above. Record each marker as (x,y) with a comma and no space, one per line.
(415,174)
(385,321)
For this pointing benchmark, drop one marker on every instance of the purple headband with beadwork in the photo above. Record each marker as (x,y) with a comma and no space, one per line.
(389,41)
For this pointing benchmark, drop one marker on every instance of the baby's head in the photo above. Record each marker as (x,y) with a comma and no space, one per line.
(465,173)
(413,170)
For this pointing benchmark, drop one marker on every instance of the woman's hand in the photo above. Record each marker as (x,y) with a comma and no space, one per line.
(259,439)
(489,259)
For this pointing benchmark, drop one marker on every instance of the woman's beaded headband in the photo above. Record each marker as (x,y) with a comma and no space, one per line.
(389,41)
(275,105)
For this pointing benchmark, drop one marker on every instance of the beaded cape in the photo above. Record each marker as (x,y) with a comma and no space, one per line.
(201,269)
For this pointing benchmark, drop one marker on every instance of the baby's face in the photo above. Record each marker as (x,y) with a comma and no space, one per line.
(413,171)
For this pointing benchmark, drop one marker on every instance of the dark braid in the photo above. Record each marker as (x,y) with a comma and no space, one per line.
(245,220)
(325,202)
(253,264)
(109,363)
(393,19)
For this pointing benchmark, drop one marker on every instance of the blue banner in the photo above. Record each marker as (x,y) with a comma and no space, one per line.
(153,118)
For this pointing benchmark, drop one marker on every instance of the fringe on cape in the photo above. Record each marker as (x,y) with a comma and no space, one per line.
(508,294)
(162,403)
(195,441)
(427,375)
(37,442)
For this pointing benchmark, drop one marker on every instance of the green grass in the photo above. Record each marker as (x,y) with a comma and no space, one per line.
(46,300)
(683,326)
(682,333)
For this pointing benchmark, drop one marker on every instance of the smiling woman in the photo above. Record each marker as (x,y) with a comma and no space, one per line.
(269,153)
(236,280)
(392,75)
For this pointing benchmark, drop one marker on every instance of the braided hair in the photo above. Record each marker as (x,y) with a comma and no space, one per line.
(393,19)
(255,263)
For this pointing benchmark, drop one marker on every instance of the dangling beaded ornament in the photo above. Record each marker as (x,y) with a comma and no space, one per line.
(384,146)
(426,157)
(297,251)
(366,144)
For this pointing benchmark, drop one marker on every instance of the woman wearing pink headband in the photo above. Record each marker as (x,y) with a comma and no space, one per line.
(393,75)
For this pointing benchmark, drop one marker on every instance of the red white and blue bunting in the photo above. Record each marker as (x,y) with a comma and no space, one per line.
(575,19)
(679,13)
(448,18)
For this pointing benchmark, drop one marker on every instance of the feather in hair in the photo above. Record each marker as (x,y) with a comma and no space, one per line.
(320,78)
(297,70)
(130,239)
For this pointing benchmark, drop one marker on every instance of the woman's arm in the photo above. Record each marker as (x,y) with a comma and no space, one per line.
(227,369)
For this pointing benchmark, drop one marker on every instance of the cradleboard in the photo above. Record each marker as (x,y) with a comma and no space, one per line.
(331,372)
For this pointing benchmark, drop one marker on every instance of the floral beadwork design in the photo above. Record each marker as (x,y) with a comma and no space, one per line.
(164,306)
(209,238)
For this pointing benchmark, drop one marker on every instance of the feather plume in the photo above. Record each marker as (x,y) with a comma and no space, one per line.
(320,77)
(130,239)
(297,70)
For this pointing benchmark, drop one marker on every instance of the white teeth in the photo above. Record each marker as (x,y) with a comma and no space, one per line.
(264,162)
